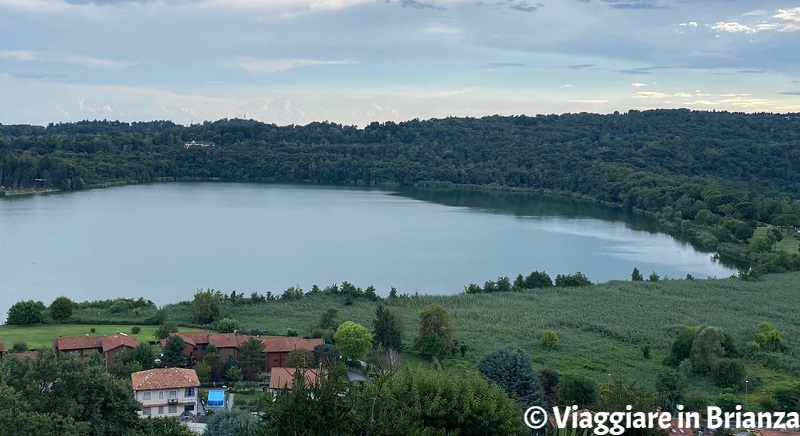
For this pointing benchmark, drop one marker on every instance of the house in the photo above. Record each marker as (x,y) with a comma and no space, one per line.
(2,349)
(166,392)
(197,344)
(676,428)
(26,355)
(110,347)
(283,378)
(277,348)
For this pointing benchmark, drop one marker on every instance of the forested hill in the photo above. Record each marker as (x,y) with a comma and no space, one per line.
(713,168)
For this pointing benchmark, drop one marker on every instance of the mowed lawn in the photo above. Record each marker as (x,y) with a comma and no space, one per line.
(789,243)
(42,335)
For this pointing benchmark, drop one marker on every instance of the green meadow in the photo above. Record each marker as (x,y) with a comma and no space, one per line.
(42,335)
(601,328)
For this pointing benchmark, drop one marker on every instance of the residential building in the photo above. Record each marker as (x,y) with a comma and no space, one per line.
(277,348)
(2,349)
(283,378)
(166,392)
(110,347)
(197,344)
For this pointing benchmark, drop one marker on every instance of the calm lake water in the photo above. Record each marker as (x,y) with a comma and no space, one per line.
(164,241)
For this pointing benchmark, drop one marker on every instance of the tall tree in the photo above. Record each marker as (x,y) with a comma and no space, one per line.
(206,306)
(435,337)
(512,370)
(25,313)
(145,355)
(61,309)
(251,357)
(353,340)
(386,328)
(174,356)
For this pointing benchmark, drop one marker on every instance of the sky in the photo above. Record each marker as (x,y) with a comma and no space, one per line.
(358,61)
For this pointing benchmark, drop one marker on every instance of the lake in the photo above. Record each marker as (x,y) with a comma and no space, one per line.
(164,241)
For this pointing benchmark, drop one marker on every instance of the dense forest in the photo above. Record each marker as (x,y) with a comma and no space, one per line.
(712,175)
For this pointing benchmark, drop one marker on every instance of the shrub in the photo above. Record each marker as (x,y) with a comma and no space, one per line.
(653,277)
(226,325)
(19,347)
(135,330)
(697,402)
(569,280)
(728,373)
(549,339)
(578,390)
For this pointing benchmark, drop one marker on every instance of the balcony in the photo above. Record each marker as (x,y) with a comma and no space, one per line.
(172,401)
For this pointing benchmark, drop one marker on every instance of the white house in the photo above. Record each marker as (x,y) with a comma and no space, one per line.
(166,391)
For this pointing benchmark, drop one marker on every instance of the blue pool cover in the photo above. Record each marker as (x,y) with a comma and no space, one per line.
(216,398)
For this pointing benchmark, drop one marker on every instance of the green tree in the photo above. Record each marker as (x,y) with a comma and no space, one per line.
(235,422)
(578,390)
(203,370)
(768,338)
(636,276)
(205,306)
(619,394)
(570,280)
(300,359)
(386,328)
(164,330)
(26,313)
(670,385)
(328,320)
(653,277)
(728,373)
(226,325)
(234,373)
(145,355)
(435,337)
(512,370)
(326,355)
(537,279)
(251,357)
(549,339)
(174,356)
(682,345)
(353,340)
(165,427)
(19,347)
(707,349)
(61,309)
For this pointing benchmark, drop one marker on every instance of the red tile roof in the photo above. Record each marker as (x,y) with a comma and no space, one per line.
(284,377)
(104,343)
(118,340)
(226,340)
(279,344)
(77,343)
(2,347)
(164,378)
(778,433)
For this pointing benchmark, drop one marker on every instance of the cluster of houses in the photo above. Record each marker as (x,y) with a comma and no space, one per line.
(173,392)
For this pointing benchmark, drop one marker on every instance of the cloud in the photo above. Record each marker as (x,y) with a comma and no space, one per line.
(732,27)
(689,24)
(18,56)
(751,71)
(653,95)
(635,71)
(790,93)
(566,86)
(789,14)
(580,66)
(442,29)
(755,13)
(635,4)
(415,4)
(638,85)
(86,61)
(266,66)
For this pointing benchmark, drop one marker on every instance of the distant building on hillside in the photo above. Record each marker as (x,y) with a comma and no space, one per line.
(194,143)
(110,347)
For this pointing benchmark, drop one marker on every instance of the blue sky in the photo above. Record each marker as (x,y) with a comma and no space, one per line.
(356,61)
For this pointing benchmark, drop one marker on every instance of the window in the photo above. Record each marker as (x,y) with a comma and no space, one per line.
(173,408)
(145,411)
(189,392)
(160,410)
(188,408)
(173,395)
(146,396)
(160,395)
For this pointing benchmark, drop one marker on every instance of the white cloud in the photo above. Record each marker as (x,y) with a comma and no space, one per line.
(755,13)
(689,24)
(648,95)
(733,27)
(443,29)
(17,56)
(789,14)
(638,85)
(567,86)
(266,66)
(93,62)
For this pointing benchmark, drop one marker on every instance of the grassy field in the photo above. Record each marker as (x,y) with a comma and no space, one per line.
(789,243)
(42,335)
(602,328)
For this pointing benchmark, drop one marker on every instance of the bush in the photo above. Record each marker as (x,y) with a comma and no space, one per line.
(549,339)
(727,402)
(728,373)
(226,325)
(578,390)
(696,402)
(61,309)
(653,277)
(135,330)
(19,347)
